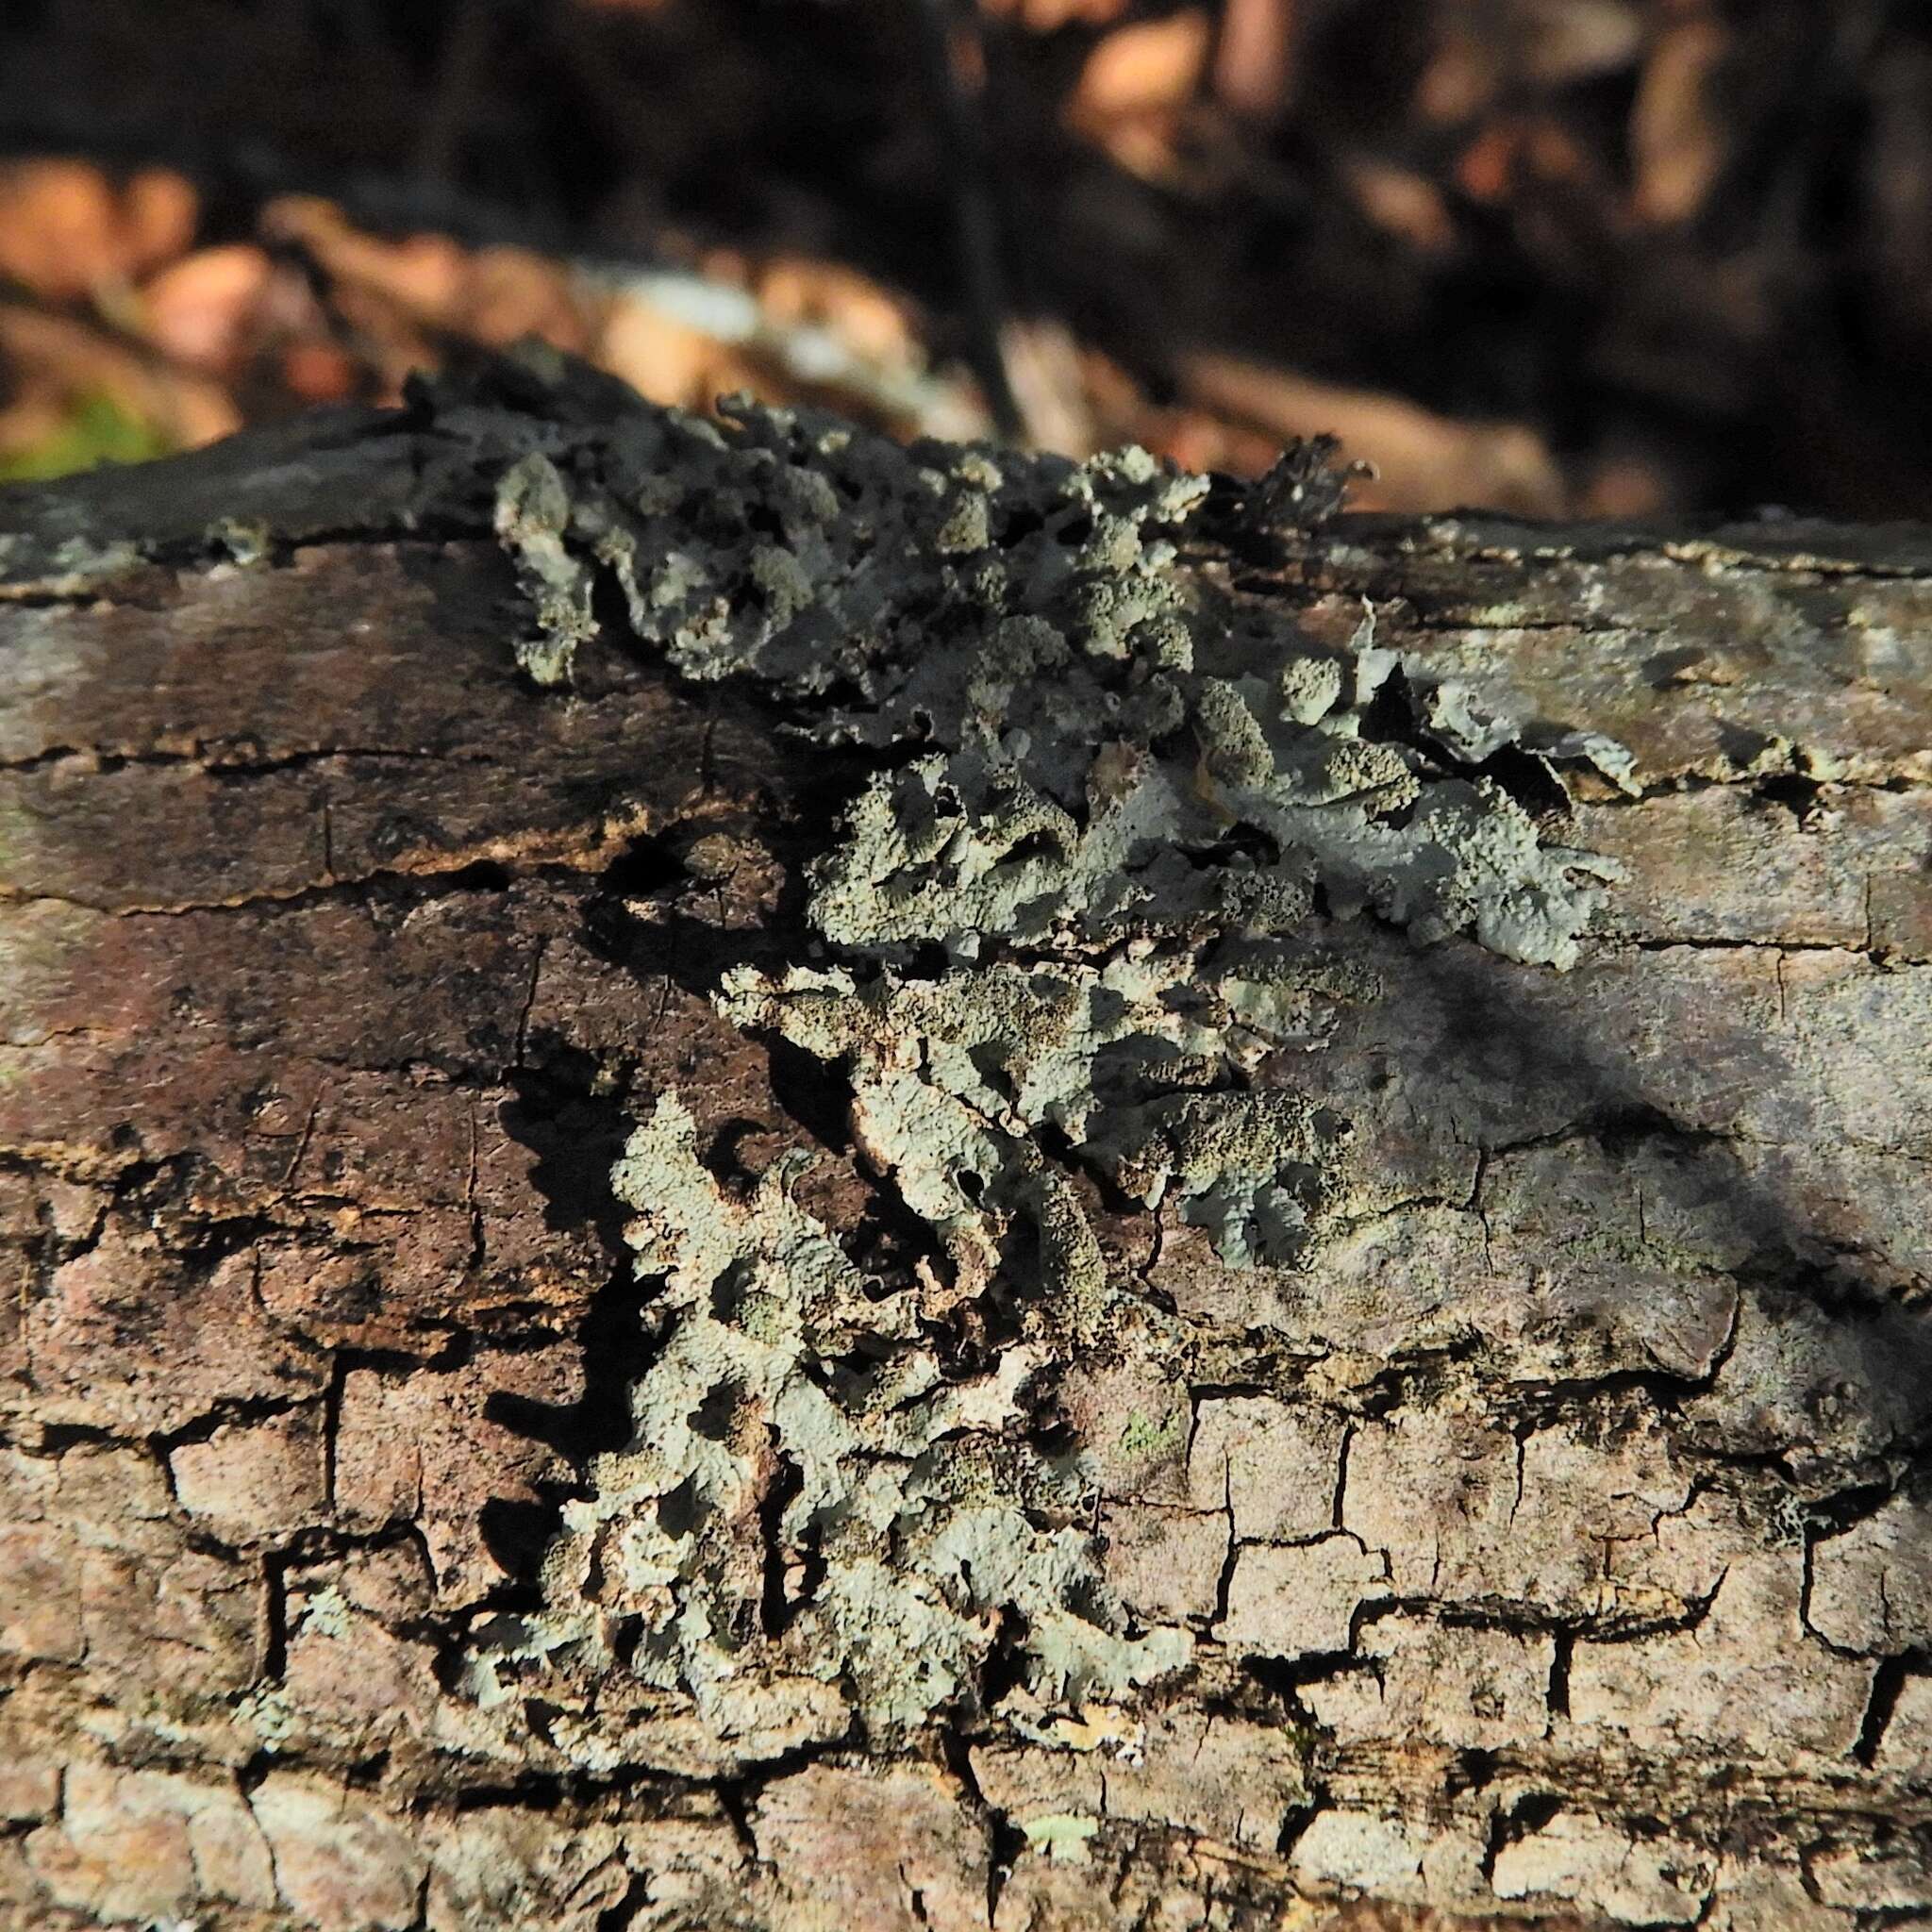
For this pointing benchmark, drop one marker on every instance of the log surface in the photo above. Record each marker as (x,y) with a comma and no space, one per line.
(1550,1538)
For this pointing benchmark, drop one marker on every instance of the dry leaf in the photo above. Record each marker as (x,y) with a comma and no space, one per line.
(1676,144)
(1049,379)
(159,210)
(1487,167)
(663,358)
(1563,41)
(319,373)
(1422,461)
(422,274)
(1048,16)
(56,361)
(1459,82)
(203,309)
(1151,66)
(1401,202)
(507,293)
(66,230)
(794,291)
(1254,61)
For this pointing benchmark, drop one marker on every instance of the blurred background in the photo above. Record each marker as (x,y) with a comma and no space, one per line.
(1560,256)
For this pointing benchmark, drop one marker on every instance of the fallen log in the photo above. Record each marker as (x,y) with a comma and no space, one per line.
(748,1179)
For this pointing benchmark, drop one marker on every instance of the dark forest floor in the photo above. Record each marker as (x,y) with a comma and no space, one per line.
(1565,257)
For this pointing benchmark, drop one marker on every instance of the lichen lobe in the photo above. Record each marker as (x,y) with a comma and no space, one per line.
(1110,746)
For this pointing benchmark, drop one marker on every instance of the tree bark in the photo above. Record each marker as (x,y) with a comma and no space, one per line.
(890,1498)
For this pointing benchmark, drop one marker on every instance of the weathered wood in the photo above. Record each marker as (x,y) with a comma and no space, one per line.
(1545,1532)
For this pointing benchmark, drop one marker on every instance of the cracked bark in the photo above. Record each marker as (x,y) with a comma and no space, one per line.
(1554,1541)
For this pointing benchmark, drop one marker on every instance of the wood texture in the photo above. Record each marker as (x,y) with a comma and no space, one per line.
(1555,1543)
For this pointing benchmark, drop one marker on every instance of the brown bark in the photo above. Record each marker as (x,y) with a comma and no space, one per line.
(1553,1539)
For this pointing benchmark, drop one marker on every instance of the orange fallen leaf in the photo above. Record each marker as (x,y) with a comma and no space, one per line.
(318,372)
(1047,16)
(66,229)
(507,293)
(422,274)
(1677,143)
(201,310)
(661,356)
(160,212)
(1422,461)
(1401,202)
(1487,166)
(1255,62)
(794,291)
(57,361)
(1049,379)
(1151,65)
(1563,42)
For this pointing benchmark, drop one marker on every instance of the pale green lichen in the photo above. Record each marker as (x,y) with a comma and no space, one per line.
(1062,935)
(1148,1436)
(328,1613)
(1061,1835)
(533,511)
(266,1711)
(247,540)
(1126,1063)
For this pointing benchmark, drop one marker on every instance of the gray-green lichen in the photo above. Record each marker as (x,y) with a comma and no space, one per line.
(1063,933)
(786,1377)
(1128,1062)
(533,511)
(1107,748)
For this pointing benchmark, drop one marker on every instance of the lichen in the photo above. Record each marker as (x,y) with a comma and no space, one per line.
(533,509)
(1062,930)
(1061,1835)
(1148,1436)
(1110,747)
(787,1378)
(964,1087)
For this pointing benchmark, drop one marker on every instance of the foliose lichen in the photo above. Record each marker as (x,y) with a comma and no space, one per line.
(1109,748)
(785,1376)
(1064,923)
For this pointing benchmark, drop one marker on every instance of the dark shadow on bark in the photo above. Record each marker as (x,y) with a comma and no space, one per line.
(578,1134)
(1504,1035)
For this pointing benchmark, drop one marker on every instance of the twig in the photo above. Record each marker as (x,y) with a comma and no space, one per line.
(954,58)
